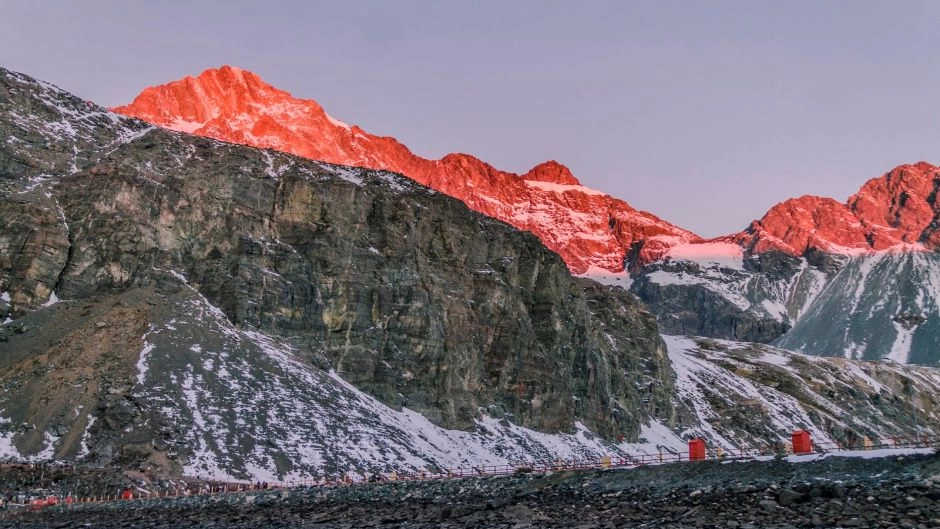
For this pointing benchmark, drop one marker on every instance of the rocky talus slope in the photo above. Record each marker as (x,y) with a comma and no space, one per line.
(835,492)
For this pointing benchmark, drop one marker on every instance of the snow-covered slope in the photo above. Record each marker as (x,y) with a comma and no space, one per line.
(716,290)
(236,403)
(231,403)
(69,128)
(885,306)
(749,395)
(247,406)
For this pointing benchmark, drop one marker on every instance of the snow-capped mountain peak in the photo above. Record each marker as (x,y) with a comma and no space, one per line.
(895,211)
(586,227)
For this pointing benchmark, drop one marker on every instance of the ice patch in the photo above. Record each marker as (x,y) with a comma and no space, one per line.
(562,188)
(337,122)
(708,254)
(606,277)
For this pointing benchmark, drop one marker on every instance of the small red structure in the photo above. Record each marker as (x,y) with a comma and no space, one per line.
(127,495)
(69,500)
(802,444)
(52,500)
(696,450)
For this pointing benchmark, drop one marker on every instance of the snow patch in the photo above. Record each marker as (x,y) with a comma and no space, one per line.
(901,348)
(183,125)
(53,299)
(144,358)
(606,277)
(337,122)
(709,254)
(863,454)
(562,188)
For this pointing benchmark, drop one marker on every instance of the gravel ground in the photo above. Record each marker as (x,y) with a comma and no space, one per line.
(833,492)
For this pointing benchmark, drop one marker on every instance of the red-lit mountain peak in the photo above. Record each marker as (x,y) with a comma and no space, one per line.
(589,229)
(553,173)
(894,211)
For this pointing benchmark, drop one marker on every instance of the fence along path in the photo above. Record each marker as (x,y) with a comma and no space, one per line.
(606,462)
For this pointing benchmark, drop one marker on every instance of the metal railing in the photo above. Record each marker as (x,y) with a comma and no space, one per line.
(352,478)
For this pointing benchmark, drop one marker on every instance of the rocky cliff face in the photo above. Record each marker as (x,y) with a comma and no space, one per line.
(246,276)
(586,227)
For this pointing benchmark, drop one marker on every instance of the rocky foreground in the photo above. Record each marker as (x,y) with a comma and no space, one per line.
(899,491)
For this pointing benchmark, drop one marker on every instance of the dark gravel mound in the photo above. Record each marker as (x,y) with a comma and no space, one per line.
(835,492)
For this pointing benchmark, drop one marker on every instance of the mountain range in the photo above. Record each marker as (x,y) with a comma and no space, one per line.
(178,304)
(771,282)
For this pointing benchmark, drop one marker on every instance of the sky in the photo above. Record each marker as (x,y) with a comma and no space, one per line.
(703,113)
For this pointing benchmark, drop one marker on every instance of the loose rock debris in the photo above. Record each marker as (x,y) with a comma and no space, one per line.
(900,491)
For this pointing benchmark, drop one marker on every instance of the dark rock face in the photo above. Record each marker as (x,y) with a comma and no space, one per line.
(405,292)
(693,308)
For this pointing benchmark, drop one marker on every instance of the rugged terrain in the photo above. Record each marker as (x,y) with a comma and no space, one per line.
(784,279)
(872,306)
(854,279)
(834,492)
(250,286)
(175,304)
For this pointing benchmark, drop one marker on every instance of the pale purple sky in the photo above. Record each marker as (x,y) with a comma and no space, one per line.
(704,113)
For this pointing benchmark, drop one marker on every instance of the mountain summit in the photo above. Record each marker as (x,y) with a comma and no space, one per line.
(896,211)
(589,229)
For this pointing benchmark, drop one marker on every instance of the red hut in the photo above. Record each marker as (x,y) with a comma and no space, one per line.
(696,450)
(802,444)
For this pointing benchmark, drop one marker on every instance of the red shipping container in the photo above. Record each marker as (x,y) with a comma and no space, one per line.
(802,444)
(696,450)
